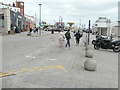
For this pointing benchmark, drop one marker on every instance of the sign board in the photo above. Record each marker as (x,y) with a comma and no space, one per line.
(57,23)
(40,23)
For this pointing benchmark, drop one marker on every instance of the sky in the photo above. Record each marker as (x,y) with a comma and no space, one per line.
(71,10)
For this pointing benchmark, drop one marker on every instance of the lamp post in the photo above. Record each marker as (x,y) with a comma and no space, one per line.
(40,19)
(60,22)
(89,33)
(80,23)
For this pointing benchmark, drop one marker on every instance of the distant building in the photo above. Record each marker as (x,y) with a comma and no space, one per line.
(13,15)
(11,7)
(21,6)
(9,19)
(30,21)
(103,26)
(59,25)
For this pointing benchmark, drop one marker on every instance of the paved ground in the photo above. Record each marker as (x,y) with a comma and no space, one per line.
(39,62)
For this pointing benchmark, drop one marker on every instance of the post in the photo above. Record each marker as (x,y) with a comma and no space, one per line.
(89,33)
(61,24)
(80,24)
(40,18)
(35,20)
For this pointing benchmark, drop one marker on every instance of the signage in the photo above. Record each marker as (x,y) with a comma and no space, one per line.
(40,23)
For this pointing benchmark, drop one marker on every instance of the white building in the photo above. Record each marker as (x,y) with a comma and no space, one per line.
(103,26)
(5,20)
(15,9)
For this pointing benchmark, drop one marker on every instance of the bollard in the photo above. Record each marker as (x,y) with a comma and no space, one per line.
(87,47)
(89,54)
(90,65)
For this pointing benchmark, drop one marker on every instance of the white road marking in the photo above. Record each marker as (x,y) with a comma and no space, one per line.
(38,51)
(50,59)
(44,48)
(30,56)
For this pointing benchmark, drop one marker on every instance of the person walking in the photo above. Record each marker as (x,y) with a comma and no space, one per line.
(78,36)
(16,29)
(34,29)
(68,37)
(37,30)
(61,39)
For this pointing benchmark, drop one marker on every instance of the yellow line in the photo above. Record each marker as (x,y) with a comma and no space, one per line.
(24,70)
(33,69)
(6,74)
(37,68)
(13,70)
(62,68)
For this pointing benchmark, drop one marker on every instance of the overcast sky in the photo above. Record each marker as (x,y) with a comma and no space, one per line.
(71,10)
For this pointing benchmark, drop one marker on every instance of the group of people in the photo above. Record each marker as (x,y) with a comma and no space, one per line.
(34,30)
(15,28)
(68,37)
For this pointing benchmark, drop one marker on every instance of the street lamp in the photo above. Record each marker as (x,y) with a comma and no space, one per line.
(89,33)
(40,19)
(80,23)
(60,22)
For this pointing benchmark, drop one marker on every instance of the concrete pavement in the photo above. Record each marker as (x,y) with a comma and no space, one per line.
(25,54)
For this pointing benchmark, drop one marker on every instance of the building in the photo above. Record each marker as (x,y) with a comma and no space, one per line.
(4,20)
(115,29)
(10,17)
(103,26)
(11,7)
(30,22)
(59,25)
(21,6)
(13,15)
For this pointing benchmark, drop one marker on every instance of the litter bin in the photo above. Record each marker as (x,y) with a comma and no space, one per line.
(52,31)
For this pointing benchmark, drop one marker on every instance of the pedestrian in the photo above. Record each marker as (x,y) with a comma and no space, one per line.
(61,39)
(111,37)
(16,29)
(78,36)
(30,30)
(37,30)
(52,31)
(68,37)
(34,30)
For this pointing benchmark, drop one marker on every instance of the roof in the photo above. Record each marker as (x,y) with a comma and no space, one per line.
(103,20)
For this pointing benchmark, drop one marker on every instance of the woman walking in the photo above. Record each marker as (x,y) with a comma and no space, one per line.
(68,37)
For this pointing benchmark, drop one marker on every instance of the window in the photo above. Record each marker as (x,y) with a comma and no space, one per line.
(1,20)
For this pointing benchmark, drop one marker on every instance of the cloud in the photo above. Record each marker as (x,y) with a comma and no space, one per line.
(72,10)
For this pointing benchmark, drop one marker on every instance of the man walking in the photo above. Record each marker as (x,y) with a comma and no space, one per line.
(68,37)
(37,30)
(78,36)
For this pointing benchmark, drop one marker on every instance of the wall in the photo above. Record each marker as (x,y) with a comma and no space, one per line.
(6,20)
